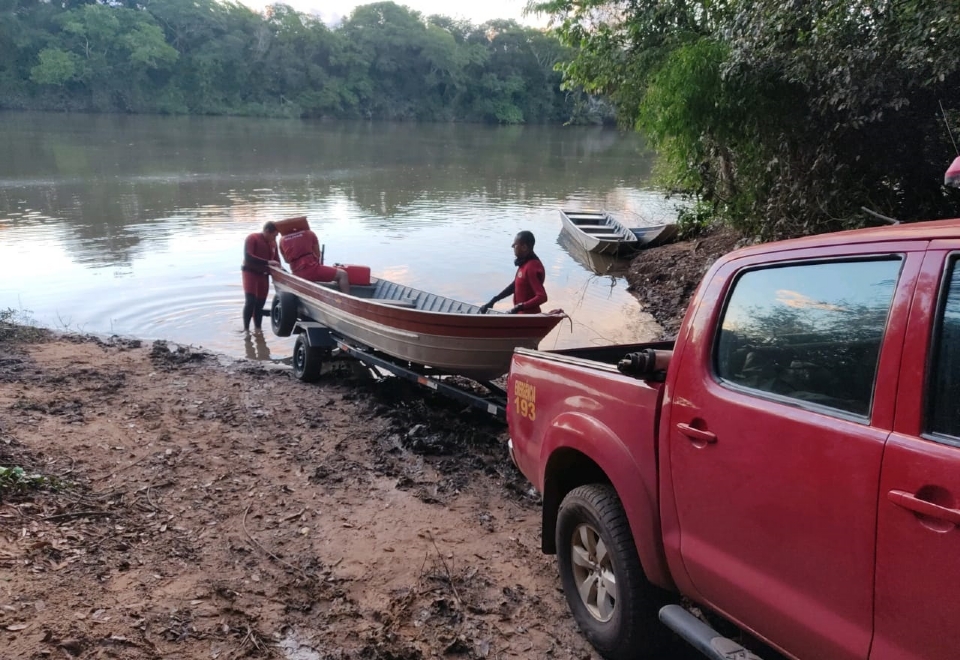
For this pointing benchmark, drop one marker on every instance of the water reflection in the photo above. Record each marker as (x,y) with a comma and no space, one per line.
(101,173)
(598,264)
(255,346)
(135,225)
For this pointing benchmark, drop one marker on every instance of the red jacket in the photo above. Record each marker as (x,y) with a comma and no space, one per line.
(301,245)
(528,286)
(257,251)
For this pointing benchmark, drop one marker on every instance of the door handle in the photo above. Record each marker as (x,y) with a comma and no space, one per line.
(707,437)
(923,507)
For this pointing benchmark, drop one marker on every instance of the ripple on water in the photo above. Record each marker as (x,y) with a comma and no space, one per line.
(146,242)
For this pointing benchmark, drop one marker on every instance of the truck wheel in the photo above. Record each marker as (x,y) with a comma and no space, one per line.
(307,361)
(610,597)
(283,313)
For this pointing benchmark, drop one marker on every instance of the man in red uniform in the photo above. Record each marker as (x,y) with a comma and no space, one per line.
(302,251)
(259,253)
(527,286)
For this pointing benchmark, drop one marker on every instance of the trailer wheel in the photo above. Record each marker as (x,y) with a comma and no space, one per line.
(612,602)
(307,360)
(283,313)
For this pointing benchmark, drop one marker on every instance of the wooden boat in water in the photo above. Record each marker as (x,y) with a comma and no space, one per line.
(409,324)
(599,232)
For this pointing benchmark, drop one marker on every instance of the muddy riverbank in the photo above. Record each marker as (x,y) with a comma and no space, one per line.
(191,508)
(664,279)
(177,504)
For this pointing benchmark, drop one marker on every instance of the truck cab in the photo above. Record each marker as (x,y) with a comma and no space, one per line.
(797,470)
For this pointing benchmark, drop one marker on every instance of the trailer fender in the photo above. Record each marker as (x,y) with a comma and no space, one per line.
(315,334)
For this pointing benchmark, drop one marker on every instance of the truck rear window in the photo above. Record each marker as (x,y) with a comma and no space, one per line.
(808,332)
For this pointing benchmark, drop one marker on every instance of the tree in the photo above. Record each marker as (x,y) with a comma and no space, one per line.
(55,68)
(113,51)
(221,57)
(781,117)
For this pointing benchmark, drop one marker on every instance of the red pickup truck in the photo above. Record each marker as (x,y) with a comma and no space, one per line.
(790,463)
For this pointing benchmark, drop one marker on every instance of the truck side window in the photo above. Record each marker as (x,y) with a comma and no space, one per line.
(943,392)
(808,332)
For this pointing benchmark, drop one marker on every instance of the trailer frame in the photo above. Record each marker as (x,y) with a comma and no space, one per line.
(316,343)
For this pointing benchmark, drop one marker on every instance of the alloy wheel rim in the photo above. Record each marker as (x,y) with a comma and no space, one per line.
(593,573)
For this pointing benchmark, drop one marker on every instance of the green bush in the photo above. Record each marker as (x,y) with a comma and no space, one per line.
(16,327)
(15,479)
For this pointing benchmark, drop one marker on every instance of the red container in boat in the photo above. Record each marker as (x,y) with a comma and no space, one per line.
(358,275)
(291,225)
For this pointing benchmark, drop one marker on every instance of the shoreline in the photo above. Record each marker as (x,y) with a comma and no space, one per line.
(196,504)
(663,279)
(191,508)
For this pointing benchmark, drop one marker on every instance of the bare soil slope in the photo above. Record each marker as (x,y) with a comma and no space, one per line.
(665,278)
(203,510)
(196,508)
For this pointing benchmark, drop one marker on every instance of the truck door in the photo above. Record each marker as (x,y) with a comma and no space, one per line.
(775,431)
(918,536)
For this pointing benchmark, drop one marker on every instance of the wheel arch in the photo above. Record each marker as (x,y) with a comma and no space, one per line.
(566,469)
(579,450)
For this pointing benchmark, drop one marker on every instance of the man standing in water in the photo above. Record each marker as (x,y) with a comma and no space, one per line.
(527,286)
(259,254)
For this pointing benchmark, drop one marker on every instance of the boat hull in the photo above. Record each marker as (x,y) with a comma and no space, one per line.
(459,341)
(655,235)
(599,233)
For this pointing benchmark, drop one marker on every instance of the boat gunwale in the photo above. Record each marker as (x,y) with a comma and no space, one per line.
(523,325)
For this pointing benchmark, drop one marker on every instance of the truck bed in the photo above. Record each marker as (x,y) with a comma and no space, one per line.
(608,355)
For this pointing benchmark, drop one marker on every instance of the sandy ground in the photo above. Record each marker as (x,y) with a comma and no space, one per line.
(194,508)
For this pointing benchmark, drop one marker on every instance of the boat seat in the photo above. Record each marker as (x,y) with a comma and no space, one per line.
(358,290)
(403,302)
(607,236)
(585,227)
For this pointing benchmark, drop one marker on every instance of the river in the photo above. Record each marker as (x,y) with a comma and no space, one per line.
(134,225)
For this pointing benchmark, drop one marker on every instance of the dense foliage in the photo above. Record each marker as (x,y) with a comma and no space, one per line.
(204,56)
(783,117)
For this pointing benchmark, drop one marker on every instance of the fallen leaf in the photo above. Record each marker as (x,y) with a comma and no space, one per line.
(14,627)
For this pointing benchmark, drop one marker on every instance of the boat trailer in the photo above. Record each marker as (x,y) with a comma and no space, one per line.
(316,344)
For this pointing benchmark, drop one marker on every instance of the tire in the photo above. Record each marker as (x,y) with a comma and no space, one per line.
(621,623)
(283,314)
(307,361)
